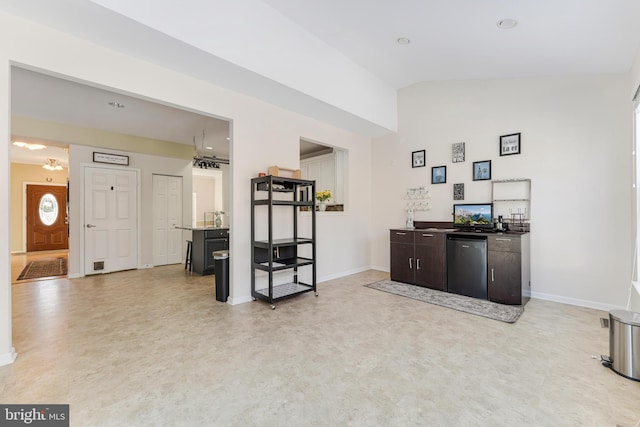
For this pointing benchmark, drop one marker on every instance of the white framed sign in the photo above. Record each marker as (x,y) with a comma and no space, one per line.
(114,159)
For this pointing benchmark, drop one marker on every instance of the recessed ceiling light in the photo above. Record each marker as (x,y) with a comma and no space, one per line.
(209,148)
(29,146)
(116,104)
(403,40)
(507,23)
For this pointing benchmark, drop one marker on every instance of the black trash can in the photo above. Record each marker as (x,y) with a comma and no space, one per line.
(221,265)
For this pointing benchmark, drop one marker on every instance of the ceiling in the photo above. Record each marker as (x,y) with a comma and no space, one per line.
(460,39)
(53,99)
(454,39)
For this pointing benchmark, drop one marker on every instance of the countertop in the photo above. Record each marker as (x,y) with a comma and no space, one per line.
(202,228)
(461,231)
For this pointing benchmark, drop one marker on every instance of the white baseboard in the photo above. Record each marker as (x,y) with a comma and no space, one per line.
(144,266)
(74,276)
(342,274)
(8,358)
(379,268)
(575,301)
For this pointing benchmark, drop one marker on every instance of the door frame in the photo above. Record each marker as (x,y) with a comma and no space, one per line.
(83,168)
(24,208)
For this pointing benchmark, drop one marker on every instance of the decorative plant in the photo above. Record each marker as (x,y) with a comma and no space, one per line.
(218,214)
(323,195)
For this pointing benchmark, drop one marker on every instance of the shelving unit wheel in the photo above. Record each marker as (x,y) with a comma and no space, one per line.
(317,293)
(273,306)
(254,298)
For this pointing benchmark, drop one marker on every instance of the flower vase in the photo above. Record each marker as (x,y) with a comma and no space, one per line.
(322,206)
(218,221)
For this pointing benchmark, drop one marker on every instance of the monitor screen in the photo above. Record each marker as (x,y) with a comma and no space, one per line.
(473,215)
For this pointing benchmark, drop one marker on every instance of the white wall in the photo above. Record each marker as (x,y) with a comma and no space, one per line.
(262,136)
(634,300)
(576,145)
(147,165)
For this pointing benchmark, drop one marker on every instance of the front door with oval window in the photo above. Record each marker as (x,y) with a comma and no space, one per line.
(47,227)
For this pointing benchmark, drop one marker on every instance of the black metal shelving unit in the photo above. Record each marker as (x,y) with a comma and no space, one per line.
(281,254)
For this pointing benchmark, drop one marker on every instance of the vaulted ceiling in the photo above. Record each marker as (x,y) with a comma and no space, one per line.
(341,61)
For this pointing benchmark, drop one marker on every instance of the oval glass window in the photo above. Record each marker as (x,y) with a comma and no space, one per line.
(48,209)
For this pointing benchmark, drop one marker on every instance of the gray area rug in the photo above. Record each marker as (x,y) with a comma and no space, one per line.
(492,310)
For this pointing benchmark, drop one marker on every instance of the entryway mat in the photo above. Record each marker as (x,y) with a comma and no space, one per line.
(478,307)
(44,268)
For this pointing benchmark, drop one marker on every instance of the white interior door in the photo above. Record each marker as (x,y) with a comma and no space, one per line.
(110,220)
(167,214)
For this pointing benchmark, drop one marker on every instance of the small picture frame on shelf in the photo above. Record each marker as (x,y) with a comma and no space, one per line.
(418,159)
(510,144)
(482,170)
(438,174)
(458,191)
(457,152)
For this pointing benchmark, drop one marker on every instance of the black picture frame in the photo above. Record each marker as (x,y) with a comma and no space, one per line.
(418,159)
(482,170)
(510,144)
(438,174)
(113,159)
(458,191)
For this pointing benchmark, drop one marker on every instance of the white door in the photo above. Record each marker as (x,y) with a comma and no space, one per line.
(167,215)
(110,220)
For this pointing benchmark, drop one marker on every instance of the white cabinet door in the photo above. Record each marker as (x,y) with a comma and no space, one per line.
(322,169)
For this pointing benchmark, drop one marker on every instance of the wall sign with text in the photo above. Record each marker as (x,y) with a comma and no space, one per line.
(114,159)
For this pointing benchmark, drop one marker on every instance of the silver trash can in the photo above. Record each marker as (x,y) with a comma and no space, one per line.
(624,343)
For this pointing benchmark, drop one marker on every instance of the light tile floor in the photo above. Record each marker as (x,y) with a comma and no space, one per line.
(153,347)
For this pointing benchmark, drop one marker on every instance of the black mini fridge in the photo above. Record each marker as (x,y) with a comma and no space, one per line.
(467,265)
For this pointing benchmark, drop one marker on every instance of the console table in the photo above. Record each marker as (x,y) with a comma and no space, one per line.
(419,257)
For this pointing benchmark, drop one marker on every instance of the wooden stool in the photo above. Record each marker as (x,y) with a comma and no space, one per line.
(187,261)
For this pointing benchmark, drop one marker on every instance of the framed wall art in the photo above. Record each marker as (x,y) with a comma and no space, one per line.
(457,152)
(482,170)
(510,144)
(418,159)
(438,174)
(458,191)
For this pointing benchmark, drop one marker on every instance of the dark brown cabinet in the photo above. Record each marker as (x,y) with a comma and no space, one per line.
(418,258)
(508,269)
(430,259)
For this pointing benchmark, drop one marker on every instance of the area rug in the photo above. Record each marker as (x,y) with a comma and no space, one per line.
(44,268)
(492,310)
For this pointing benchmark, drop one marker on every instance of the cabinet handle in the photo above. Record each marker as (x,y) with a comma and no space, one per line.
(401,234)
(410,267)
(417,263)
(503,239)
(465,246)
(493,279)
(427,235)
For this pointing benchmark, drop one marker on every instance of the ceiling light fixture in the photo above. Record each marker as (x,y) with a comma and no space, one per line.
(206,162)
(507,23)
(116,104)
(404,40)
(29,146)
(52,165)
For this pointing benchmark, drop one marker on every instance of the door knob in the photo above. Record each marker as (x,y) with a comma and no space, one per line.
(91,226)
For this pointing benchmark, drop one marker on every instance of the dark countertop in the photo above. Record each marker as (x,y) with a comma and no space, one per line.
(202,228)
(461,231)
